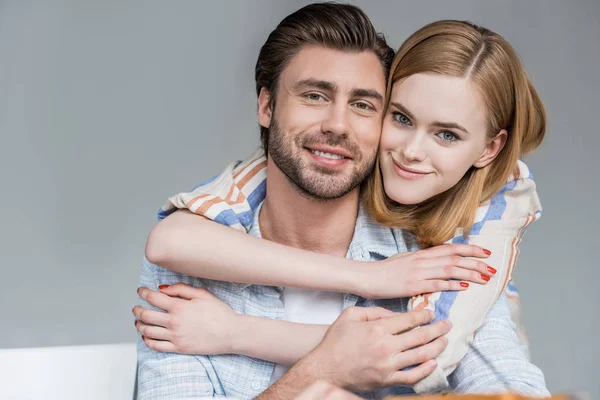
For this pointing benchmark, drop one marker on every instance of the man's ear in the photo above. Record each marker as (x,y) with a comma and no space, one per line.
(492,149)
(264,108)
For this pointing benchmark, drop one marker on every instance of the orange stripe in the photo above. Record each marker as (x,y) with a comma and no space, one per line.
(257,168)
(205,206)
(251,174)
(246,167)
(191,202)
(241,198)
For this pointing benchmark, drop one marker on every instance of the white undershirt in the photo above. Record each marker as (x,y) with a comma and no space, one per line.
(308,307)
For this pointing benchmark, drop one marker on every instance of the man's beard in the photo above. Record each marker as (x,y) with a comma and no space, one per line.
(316,181)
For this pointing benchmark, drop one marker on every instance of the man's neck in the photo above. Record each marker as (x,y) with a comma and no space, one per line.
(293,219)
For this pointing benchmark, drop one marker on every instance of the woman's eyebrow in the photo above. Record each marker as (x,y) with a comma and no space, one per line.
(451,125)
(403,109)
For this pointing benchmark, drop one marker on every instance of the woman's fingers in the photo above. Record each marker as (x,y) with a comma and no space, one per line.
(463,250)
(151,317)
(157,299)
(186,291)
(434,285)
(153,332)
(456,267)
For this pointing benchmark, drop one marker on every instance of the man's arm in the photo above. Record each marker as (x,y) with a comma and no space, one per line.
(496,362)
(388,344)
(169,375)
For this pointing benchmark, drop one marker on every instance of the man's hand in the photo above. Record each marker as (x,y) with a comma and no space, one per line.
(439,268)
(368,348)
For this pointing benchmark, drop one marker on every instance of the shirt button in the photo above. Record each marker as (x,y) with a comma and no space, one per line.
(256,385)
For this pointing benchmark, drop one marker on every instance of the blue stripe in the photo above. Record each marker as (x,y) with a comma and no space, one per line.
(494,213)
(229,217)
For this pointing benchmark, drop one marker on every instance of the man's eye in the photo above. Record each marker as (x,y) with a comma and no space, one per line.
(314,97)
(401,118)
(448,136)
(361,105)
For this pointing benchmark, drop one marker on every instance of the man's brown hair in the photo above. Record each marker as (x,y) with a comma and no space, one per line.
(337,26)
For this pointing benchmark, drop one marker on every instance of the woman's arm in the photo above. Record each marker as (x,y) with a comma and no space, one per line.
(197,322)
(189,244)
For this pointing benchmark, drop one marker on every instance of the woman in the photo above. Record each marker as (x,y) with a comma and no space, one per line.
(460,113)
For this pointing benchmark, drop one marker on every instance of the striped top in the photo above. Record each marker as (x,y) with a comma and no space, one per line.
(232,197)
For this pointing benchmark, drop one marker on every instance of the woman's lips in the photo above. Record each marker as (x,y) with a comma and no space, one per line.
(408,173)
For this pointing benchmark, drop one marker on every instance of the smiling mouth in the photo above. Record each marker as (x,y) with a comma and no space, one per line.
(408,173)
(327,155)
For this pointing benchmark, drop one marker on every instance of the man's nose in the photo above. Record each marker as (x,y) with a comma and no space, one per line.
(336,120)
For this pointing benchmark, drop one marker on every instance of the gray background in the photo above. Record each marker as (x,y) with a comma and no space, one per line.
(107,107)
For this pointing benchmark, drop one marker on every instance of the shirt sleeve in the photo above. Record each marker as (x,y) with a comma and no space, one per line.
(495,362)
(170,375)
(229,198)
(499,226)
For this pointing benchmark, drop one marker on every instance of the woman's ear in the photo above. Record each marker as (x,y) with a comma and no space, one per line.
(492,149)
(264,108)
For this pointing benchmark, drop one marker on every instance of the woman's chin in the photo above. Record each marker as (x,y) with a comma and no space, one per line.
(407,200)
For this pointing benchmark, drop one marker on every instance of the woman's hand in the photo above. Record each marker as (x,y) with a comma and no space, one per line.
(440,268)
(195,321)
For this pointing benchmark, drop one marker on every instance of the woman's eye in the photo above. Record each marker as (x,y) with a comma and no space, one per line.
(401,118)
(447,136)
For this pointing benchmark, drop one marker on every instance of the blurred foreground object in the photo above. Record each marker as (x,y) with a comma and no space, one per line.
(96,372)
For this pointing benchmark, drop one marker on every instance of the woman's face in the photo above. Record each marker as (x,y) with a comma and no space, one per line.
(434,131)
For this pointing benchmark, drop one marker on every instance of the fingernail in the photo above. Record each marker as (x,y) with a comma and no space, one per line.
(486,251)
(464,284)
(485,277)
(492,270)
(138,290)
(161,287)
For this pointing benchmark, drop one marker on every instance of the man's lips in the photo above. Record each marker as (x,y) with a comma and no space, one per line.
(330,149)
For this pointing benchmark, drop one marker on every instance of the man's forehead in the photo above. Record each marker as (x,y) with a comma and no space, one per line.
(347,70)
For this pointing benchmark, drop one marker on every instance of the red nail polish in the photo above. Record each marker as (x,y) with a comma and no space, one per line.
(492,270)
(485,277)
(487,252)
(464,284)
(161,287)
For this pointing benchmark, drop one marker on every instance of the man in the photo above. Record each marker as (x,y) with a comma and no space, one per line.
(321,79)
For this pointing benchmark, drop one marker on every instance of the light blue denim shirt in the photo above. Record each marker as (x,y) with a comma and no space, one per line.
(495,362)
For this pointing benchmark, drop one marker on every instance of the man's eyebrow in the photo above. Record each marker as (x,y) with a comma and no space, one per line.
(372,93)
(316,84)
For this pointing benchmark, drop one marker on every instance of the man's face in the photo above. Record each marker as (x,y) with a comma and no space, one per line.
(326,122)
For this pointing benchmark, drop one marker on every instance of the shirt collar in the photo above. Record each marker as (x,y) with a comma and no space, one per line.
(372,241)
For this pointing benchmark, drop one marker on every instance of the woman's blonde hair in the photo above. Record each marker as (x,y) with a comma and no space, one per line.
(462,49)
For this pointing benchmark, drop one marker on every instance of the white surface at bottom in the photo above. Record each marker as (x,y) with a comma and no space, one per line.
(70,372)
